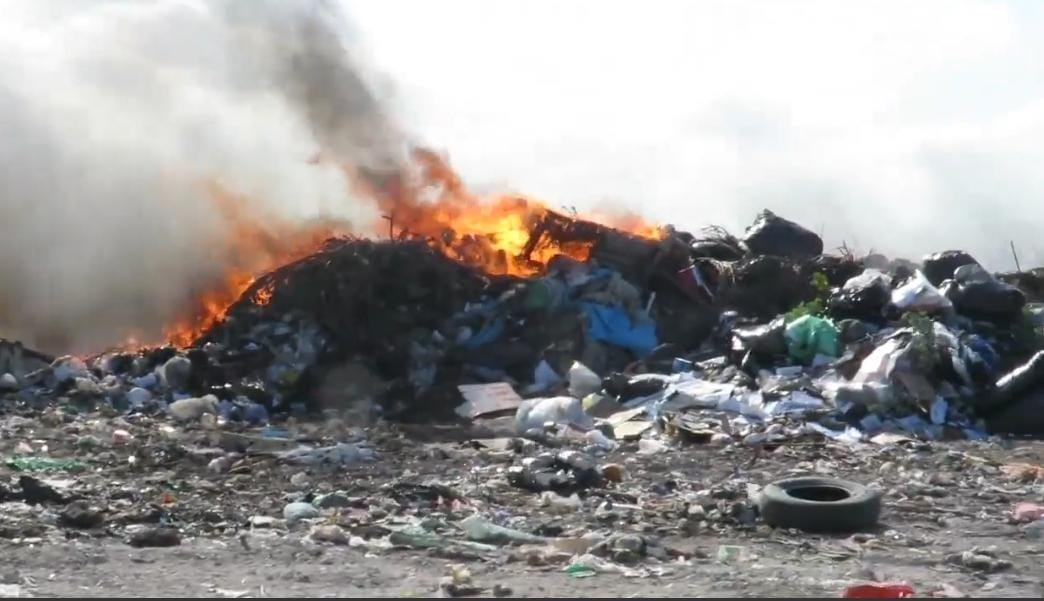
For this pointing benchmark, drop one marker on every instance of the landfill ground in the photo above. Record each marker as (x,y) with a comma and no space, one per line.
(940,499)
(632,452)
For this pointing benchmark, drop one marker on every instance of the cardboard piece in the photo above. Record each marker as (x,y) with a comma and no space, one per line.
(485,399)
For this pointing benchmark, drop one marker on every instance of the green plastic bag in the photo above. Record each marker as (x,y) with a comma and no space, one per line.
(809,336)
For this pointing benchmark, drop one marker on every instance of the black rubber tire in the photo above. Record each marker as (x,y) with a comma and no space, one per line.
(859,511)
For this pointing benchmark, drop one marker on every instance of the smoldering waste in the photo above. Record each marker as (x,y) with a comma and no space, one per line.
(754,328)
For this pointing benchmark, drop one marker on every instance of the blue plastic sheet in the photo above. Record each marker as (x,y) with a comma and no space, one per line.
(985,350)
(614,326)
(491,332)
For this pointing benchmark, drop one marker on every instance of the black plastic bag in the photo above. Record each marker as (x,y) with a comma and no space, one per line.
(978,295)
(863,297)
(940,266)
(1015,385)
(1024,417)
(716,249)
(764,341)
(773,235)
(624,388)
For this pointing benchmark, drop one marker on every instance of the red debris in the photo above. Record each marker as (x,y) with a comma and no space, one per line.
(878,591)
(1027,512)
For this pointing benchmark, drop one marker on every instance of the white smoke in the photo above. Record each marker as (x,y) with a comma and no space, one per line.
(115,113)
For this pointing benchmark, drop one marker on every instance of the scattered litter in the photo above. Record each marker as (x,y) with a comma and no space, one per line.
(340,454)
(46,464)
(155,537)
(1027,512)
(484,399)
(295,512)
(481,530)
(979,560)
(730,553)
(583,381)
(656,381)
(534,414)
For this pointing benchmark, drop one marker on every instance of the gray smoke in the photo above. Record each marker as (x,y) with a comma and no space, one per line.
(116,114)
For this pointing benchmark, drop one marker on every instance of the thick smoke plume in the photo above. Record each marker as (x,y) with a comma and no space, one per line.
(139,132)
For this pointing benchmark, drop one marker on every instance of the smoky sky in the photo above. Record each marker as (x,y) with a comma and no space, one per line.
(893,127)
(117,114)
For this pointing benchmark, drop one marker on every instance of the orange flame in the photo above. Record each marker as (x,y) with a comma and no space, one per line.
(490,233)
(431,203)
(255,244)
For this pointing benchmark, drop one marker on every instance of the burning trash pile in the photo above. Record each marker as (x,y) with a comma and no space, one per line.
(710,338)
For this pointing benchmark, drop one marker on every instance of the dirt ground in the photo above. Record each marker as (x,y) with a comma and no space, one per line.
(941,499)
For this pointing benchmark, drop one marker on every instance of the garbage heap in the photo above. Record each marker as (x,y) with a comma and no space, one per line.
(708,333)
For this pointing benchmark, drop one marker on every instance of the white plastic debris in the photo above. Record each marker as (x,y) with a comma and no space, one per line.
(176,372)
(878,365)
(544,376)
(797,402)
(478,528)
(919,294)
(193,408)
(583,381)
(295,512)
(647,446)
(220,465)
(8,382)
(868,279)
(67,368)
(532,414)
(147,381)
(344,453)
(939,410)
(600,440)
(137,397)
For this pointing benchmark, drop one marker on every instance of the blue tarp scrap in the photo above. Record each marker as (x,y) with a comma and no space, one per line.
(985,351)
(490,332)
(614,326)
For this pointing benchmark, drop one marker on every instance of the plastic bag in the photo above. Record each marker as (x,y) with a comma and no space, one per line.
(862,296)
(583,381)
(773,235)
(809,336)
(615,326)
(977,294)
(344,453)
(940,266)
(918,294)
(478,528)
(765,340)
(532,414)
(1016,383)
(545,294)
